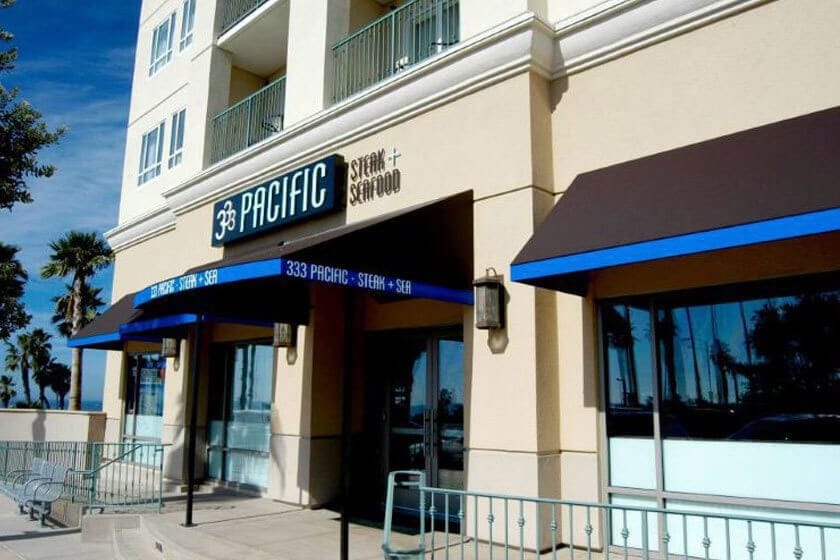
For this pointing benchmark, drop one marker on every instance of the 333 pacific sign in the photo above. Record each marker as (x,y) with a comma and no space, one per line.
(312,190)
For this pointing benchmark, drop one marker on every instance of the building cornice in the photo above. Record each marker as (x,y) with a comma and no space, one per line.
(501,52)
(521,44)
(141,228)
(619,27)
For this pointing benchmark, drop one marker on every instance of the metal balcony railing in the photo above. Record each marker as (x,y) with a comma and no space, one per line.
(234,11)
(116,476)
(465,524)
(252,120)
(410,34)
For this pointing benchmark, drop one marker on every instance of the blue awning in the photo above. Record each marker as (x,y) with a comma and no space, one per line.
(424,251)
(299,270)
(772,183)
(121,323)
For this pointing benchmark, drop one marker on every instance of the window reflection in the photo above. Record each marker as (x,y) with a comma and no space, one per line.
(751,369)
(629,371)
(144,396)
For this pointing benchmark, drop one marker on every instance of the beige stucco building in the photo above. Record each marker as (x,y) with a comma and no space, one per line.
(349,167)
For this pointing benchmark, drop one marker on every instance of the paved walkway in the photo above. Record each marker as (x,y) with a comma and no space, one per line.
(22,539)
(229,526)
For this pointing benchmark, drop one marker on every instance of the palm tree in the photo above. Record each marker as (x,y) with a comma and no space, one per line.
(59,376)
(63,316)
(7,392)
(15,361)
(78,255)
(38,347)
(29,356)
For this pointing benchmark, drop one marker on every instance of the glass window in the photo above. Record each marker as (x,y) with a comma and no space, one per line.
(176,140)
(748,401)
(187,23)
(753,369)
(162,42)
(627,360)
(151,154)
(144,396)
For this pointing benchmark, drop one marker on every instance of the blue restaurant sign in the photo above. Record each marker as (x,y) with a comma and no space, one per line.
(312,190)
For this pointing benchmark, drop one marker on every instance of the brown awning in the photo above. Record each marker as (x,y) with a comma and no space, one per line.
(430,244)
(765,184)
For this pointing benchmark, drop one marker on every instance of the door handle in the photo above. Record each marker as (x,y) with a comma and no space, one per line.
(435,429)
(427,431)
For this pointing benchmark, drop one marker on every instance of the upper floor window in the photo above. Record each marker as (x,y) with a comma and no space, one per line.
(176,140)
(162,41)
(151,154)
(187,23)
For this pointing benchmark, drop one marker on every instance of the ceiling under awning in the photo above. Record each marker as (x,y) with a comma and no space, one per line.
(775,182)
(423,251)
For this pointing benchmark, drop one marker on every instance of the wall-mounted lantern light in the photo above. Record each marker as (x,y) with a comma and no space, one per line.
(171,348)
(285,335)
(489,301)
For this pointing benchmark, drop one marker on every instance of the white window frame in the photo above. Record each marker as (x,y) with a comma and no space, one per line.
(176,137)
(163,39)
(187,24)
(151,154)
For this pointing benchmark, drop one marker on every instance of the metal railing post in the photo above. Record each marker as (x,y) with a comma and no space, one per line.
(160,478)
(392,63)
(249,114)
(96,453)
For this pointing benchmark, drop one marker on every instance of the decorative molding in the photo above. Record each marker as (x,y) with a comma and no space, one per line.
(523,43)
(501,52)
(621,28)
(141,228)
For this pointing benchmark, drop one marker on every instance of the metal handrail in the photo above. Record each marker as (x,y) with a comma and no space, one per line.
(249,121)
(392,14)
(237,10)
(131,476)
(391,43)
(487,522)
(91,472)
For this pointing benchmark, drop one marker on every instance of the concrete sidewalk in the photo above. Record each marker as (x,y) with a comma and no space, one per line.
(22,539)
(229,526)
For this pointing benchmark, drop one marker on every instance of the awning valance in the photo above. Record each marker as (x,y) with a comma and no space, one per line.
(122,322)
(423,251)
(770,183)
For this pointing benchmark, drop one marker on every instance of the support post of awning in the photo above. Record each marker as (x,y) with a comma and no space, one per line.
(195,351)
(347,419)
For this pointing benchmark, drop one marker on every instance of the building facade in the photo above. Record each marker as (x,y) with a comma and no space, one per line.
(661,171)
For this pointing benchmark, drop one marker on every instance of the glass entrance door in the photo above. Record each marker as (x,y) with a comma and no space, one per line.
(424,412)
(239,429)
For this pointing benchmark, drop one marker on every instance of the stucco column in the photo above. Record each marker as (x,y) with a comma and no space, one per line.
(112,396)
(306,414)
(514,426)
(313,28)
(175,414)
(479,15)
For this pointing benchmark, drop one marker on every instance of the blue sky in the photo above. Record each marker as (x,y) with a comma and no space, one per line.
(74,65)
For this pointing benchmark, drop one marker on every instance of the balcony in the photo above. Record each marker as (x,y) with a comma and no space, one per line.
(252,120)
(408,35)
(255,33)
(234,11)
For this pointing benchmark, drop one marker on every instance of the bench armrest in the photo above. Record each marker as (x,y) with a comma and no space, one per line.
(43,487)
